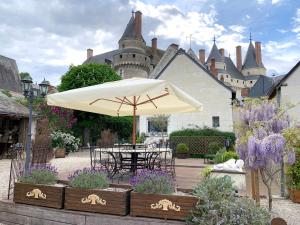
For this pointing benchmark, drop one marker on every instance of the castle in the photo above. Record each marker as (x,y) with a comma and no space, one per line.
(135,58)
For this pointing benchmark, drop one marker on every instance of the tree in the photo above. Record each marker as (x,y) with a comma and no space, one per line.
(263,142)
(90,125)
(23,74)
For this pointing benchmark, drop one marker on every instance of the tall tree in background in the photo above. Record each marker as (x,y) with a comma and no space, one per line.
(90,123)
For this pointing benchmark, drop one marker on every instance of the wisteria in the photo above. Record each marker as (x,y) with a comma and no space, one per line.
(263,141)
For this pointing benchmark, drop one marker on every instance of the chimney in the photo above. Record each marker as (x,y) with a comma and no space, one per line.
(175,46)
(89,53)
(258,52)
(221,50)
(239,57)
(138,24)
(154,44)
(202,56)
(213,69)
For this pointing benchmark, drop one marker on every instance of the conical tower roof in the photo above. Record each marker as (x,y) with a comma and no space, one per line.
(129,32)
(214,53)
(250,59)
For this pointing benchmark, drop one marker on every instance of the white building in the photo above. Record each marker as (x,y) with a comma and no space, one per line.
(186,72)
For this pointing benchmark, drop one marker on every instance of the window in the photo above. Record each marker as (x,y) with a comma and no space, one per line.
(133,55)
(231,80)
(226,76)
(237,81)
(123,46)
(121,72)
(216,121)
(121,56)
(250,81)
(145,58)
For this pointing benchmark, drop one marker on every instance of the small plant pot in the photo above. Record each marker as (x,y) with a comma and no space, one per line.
(295,195)
(174,207)
(182,155)
(99,201)
(40,195)
(60,153)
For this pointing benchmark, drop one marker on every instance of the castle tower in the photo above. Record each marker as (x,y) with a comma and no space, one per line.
(132,60)
(216,59)
(253,64)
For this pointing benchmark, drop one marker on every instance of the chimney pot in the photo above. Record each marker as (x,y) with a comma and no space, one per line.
(239,57)
(221,50)
(89,53)
(213,69)
(138,24)
(175,46)
(202,56)
(154,44)
(258,53)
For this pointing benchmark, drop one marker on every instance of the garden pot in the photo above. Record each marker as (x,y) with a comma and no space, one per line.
(60,153)
(182,155)
(41,195)
(295,195)
(96,200)
(174,207)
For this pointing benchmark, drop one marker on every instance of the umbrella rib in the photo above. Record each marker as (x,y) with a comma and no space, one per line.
(99,99)
(137,100)
(121,105)
(124,98)
(151,99)
(129,101)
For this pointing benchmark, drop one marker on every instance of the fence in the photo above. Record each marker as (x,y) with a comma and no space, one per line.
(196,144)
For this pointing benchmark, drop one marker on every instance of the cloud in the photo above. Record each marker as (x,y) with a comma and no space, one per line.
(237,28)
(274,2)
(296,23)
(260,1)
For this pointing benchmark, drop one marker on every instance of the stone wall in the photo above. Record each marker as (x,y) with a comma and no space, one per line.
(9,75)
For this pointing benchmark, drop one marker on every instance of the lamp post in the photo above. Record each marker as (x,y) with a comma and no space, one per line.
(30,94)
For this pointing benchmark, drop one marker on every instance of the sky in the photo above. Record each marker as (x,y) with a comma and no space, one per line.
(46,37)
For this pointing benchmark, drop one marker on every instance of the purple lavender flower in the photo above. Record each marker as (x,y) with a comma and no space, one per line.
(291,157)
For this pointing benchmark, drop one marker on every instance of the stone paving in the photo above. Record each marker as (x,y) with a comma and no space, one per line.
(187,176)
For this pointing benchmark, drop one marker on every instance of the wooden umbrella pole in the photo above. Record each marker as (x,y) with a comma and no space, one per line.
(134,123)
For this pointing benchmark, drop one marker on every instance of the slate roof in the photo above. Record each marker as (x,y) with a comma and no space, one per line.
(192,54)
(214,53)
(129,32)
(263,86)
(250,59)
(232,70)
(101,58)
(9,75)
(10,107)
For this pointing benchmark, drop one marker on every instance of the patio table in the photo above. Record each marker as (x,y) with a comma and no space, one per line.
(150,152)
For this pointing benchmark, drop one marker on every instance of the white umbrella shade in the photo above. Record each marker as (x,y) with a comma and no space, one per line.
(128,97)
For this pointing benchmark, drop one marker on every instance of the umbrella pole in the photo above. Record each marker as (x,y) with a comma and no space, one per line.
(134,123)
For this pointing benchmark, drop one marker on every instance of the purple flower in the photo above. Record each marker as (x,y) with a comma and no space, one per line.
(291,157)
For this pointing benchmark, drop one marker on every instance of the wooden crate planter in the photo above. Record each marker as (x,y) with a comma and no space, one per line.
(175,207)
(95,200)
(295,195)
(41,195)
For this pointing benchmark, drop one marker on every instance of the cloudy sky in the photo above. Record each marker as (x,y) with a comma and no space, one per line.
(45,37)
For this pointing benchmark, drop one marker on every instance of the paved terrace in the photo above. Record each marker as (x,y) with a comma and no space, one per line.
(187,176)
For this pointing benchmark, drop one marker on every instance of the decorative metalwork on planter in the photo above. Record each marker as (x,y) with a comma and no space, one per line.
(165,205)
(93,200)
(36,193)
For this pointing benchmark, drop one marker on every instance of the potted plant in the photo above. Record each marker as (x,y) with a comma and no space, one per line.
(294,181)
(39,187)
(182,151)
(63,143)
(154,195)
(89,191)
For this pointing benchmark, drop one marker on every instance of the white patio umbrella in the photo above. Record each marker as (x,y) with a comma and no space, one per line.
(128,97)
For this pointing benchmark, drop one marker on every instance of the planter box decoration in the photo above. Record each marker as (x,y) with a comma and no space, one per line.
(40,195)
(59,153)
(295,195)
(176,207)
(110,201)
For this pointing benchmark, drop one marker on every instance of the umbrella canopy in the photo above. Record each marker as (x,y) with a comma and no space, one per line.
(129,97)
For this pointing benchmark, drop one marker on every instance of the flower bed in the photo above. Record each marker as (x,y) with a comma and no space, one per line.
(39,187)
(89,192)
(154,196)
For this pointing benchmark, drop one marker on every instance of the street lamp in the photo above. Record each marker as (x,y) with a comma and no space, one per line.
(30,94)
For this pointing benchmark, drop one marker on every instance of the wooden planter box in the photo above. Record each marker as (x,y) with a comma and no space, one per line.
(173,207)
(295,195)
(59,153)
(95,200)
(41,195)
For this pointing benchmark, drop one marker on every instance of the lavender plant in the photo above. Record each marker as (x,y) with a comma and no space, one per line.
(40,174)
(153,182)
(89,179)
(263,141)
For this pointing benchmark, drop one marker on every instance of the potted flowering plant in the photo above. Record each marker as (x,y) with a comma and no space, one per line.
(89,191)
(39,187)
(154,195)
(294,181)
(64,143)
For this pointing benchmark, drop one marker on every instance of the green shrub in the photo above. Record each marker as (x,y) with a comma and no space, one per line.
(218,205)
(293,173)
(7,93)
(219,156)
(40,174)
(89,179)
(223,156)
(206,171)
(214,147)
(182,148)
